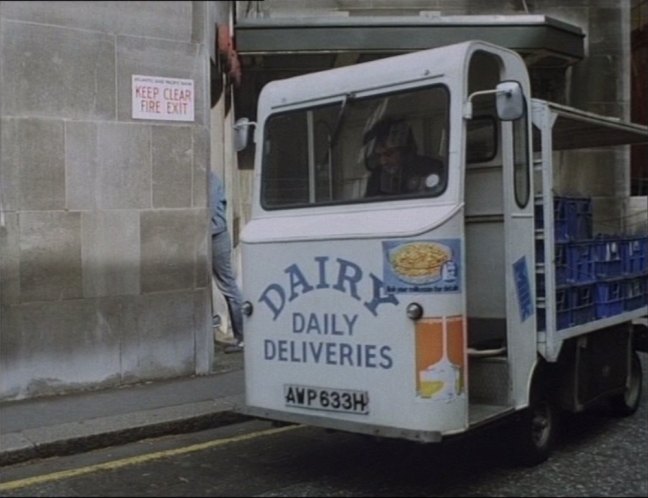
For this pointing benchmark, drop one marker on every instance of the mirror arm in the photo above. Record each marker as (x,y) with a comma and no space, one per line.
(242,124)
(468,110)
(238,126)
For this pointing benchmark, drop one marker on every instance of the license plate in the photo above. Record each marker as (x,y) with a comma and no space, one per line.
(327,399)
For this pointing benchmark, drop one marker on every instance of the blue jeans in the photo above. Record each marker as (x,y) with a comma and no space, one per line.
(225,281)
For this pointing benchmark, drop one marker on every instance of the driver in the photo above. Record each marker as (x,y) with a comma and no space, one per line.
(395,166)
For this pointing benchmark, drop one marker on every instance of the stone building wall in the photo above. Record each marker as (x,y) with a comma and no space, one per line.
(104,251)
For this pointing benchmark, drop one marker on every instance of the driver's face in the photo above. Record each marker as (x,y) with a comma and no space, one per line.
(389,158)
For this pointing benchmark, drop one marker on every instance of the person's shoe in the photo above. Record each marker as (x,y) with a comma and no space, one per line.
(234,348)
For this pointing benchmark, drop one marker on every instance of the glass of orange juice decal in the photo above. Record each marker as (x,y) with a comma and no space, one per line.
(429,351)
(455,341)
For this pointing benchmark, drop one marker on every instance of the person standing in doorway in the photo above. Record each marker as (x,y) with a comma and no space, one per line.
(222,260)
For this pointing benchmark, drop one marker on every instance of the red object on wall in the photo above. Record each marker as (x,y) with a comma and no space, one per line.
(224,39)
(229,56)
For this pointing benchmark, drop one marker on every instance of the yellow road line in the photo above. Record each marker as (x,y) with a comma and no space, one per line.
(124,462)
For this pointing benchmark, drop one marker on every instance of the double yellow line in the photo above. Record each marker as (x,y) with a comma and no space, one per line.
(125,462)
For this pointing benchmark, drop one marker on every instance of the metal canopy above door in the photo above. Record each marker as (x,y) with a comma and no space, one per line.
(542,40)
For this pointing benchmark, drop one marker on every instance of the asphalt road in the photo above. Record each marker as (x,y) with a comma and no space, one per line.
(596,456)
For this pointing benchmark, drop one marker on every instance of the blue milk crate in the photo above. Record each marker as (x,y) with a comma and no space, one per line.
(563,211)
(562,263)
(635,292)
(572,217)
(561,233)
(634,253)
(579,218)
(608,262)
(537,213)
(540,284)
(560,257)
(540,318)
(583,308)
(580,262)
(539,250)
(563,308)
(610,297)
(563,311)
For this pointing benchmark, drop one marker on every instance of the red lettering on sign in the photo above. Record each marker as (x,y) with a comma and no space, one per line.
(176,94)
(150,106)
(176,107)
(146,92)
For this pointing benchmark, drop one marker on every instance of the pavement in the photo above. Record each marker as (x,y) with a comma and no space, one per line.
(73,423)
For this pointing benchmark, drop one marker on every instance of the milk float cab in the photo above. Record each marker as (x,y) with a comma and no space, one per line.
(389,266)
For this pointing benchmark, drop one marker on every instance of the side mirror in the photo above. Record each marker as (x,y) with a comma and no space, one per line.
(509,101)
(241,133)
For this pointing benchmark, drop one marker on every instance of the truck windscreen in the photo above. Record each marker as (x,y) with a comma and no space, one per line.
(391,146)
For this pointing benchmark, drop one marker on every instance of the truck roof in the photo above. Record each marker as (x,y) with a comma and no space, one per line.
(449,60)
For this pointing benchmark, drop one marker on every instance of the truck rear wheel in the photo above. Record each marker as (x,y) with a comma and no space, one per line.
(626,403)
(536,431)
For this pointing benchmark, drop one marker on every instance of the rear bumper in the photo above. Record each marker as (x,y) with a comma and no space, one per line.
(344,425)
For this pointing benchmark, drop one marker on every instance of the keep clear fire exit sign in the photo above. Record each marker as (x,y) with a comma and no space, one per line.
(165,99)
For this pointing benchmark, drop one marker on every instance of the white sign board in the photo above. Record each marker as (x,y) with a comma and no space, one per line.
(160,98)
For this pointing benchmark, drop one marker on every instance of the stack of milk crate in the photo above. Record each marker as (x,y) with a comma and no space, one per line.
(596,277)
